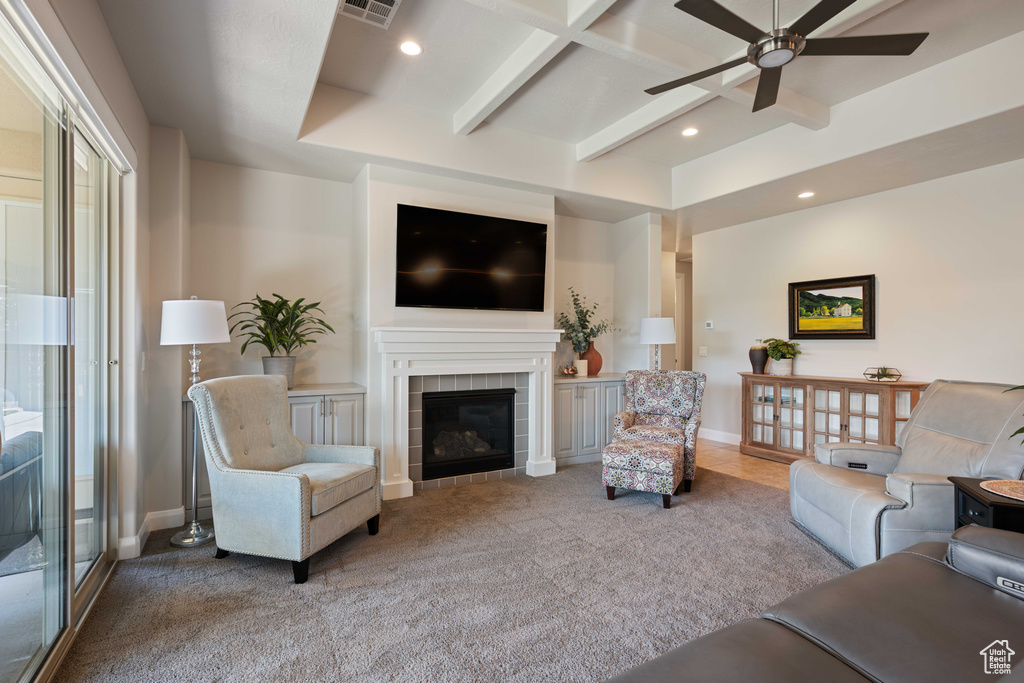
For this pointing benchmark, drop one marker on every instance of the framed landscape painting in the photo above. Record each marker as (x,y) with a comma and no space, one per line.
(840,308)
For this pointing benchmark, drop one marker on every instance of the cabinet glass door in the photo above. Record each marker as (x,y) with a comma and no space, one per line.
(828,415)
(762,414)
(863,416)
(791,418)
(904,401)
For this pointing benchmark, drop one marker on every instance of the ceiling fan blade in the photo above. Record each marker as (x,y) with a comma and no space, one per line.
(710,12)
(818,15)
(901,44)
(767,88)
(658,89)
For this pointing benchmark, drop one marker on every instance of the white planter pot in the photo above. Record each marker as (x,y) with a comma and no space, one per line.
(581,368)
(280,365)
(781,368)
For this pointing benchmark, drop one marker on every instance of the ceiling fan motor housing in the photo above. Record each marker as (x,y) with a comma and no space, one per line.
(777,49)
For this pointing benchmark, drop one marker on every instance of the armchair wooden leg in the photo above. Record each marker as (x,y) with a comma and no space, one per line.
(221,554)
(301,570)
(610,490)
(666,500)
(687,483)
(373,525)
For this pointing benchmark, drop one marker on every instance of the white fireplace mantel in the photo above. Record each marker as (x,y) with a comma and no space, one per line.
(404,352)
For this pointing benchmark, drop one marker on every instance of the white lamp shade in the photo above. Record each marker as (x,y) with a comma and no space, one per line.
(657,331)
(194,321)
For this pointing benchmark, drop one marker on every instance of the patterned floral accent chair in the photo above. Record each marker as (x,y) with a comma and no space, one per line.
(663,414)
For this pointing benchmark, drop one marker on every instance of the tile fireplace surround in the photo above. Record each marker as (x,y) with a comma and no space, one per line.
(400,353)
(420,385)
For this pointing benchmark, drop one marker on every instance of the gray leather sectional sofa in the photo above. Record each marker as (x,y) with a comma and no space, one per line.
(927,613)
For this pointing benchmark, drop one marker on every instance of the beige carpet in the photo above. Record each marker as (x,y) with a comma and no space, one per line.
(514,580)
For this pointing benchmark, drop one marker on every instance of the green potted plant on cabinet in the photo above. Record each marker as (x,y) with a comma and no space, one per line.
(581,331)
(280,326)
(782,354)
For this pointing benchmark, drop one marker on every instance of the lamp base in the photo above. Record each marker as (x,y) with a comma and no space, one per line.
(191,536)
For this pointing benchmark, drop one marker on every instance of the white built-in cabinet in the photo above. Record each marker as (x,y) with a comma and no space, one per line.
(334,419)
(584,416)
(320,414)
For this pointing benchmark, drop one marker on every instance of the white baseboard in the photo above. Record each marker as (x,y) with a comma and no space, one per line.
(722,437)
(400,489)
(129,547)
(540,469)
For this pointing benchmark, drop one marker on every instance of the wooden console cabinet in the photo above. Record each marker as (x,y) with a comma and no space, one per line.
(784,417)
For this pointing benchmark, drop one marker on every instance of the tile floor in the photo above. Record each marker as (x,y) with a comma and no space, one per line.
(727,459)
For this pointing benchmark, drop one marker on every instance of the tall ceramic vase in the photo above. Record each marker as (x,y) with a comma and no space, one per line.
(758,358)
(593,358)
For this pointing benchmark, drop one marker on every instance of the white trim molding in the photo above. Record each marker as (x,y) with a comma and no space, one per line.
(721,437)
(404,352)
(129,547)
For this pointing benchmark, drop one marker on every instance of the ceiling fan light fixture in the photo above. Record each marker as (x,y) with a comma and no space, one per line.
(775,58)
(777,50)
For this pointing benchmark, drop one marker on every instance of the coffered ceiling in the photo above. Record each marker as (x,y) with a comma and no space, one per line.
(503,84)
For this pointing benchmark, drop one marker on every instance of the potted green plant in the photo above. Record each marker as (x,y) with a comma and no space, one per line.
(280,326)
(782,354)
(581,330)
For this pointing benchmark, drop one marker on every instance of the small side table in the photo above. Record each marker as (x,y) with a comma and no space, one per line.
(975,505)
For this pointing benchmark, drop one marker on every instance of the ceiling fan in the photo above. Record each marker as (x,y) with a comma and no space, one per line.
(771,51)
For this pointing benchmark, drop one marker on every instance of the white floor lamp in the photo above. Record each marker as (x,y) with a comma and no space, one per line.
(657,331)
(194,321)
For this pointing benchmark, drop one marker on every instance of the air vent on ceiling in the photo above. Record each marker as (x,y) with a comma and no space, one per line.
(376,12)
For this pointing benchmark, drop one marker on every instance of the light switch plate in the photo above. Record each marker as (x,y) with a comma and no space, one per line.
(703,351)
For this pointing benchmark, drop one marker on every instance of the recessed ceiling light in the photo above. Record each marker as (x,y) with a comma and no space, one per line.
(689,131)
(410,48)
(805,195)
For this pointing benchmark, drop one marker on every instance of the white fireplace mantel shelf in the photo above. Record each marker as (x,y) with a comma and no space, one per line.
(403,352)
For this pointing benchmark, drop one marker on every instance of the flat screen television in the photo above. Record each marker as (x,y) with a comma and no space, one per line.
(448,259)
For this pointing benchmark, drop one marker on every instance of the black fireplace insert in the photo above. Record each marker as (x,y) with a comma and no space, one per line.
(467,431)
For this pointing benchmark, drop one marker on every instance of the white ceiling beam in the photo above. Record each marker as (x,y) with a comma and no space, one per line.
(548,38)
(529,58)
(639,45)
(646,118)
(791,105)
(542,14)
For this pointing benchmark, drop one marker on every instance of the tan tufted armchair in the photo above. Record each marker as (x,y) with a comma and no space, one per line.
(273,495)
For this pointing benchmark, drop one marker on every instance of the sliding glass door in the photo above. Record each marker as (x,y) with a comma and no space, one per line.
(55,397)
(34,334)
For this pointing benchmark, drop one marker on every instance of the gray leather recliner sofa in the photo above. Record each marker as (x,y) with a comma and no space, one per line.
(865,501)
(928,613)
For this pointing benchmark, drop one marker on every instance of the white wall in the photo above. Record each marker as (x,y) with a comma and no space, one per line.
(585,259)
(636,244)
(263,232)
(168,279)
(947,258)
(668,305)
(684,322)
(388,188)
